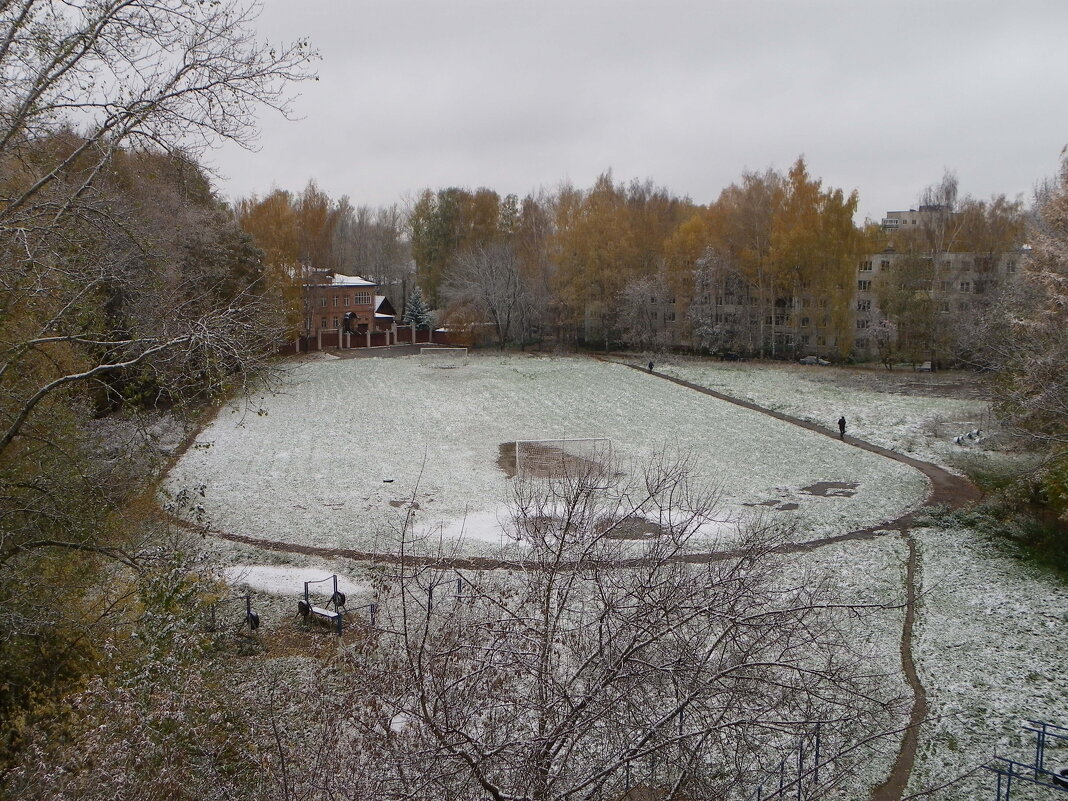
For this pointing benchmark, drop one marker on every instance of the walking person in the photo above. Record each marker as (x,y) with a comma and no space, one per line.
(841,427)
(650,367)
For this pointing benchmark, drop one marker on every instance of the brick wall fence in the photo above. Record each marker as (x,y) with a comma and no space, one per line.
(336,339)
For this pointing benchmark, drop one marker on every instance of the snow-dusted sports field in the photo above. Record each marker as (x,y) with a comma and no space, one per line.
(347,444)
(313,470)
(907,419)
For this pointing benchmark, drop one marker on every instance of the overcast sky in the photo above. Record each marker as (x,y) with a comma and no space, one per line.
(880,97)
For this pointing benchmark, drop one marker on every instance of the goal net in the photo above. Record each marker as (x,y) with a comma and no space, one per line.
(563,458)
(443,357)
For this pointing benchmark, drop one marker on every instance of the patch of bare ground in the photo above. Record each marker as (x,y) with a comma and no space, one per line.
(545,461)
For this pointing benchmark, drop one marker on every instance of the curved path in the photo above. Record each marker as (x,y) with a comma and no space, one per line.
(947,490)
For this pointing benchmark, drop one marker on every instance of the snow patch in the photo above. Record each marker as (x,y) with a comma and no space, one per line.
(278,580)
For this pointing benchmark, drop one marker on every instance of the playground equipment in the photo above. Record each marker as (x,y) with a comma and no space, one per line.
(1008,771)
(332,614)
(251,619)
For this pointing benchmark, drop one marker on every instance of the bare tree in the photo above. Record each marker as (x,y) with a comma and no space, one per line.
(720,315)
(488,279)
(370,242)
(643,308)
(624,653)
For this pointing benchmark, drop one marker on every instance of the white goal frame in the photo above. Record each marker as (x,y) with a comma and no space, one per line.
(595,452)
(447,358)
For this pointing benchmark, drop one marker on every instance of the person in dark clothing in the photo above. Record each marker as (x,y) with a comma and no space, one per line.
(841,427)
(650,367)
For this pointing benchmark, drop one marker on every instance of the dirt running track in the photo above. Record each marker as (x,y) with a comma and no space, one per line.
(947,490)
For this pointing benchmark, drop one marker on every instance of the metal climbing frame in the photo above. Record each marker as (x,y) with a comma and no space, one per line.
(1009,771)
(337,599)
(448,582)
(252,619)
(798,774)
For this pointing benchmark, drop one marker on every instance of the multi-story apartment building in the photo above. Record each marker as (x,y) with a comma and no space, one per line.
(911,219)
(957,286)
(728,314)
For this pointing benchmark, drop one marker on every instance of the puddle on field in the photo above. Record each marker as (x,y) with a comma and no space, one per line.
(821,489)
(779,506)
(631,528)
(832,489)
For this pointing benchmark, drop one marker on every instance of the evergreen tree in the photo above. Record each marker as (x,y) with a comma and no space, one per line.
(418,313)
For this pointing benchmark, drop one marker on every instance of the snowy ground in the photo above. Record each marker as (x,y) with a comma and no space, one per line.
(909,421)
(990,643)
(991,650)
(288,580)
(348,444)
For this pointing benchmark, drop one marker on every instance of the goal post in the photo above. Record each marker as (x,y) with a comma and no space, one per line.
(563,458)
(443,357)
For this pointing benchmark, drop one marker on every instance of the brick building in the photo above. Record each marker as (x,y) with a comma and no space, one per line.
(348,303)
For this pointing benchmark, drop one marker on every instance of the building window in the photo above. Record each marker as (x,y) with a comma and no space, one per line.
(862,343)
(804,339)
(863,285)
(322,301)
(884,265)
(336,301)
(1010,267)
(804,322)
(323,323)
(943,306)
(335,323)
(966,266)
(945,286)
(865,266)
(363,298)
(672,300)
(862,323)
(669,317)
(652,299)
(655,318)
(348,300)
(965,286)
(864,305)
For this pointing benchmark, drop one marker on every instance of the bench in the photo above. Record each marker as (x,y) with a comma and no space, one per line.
(310,611)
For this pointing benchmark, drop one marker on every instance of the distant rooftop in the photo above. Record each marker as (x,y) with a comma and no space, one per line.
(327,278)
